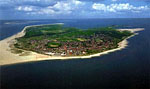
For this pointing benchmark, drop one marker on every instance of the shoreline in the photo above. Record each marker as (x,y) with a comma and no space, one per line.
(8,58)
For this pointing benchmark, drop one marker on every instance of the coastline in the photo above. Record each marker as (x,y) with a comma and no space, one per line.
(7,57)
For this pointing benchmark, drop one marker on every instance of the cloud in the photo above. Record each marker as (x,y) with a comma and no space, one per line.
(60,7)
(25,8)
(39,3)
(69,5)
(92,0)
(142,0)
(72,8)
(114,0)
(66,6)
(118,7)
(8,4)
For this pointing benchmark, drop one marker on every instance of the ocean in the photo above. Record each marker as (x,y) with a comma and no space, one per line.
(127,68)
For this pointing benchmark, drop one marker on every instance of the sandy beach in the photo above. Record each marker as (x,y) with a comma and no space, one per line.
(7,57)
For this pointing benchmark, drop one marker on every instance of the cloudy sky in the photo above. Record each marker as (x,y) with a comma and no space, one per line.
(71,9)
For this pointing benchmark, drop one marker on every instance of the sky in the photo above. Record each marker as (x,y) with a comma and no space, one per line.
(73,9)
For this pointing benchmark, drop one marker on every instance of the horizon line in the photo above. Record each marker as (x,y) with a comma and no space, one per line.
(75,18)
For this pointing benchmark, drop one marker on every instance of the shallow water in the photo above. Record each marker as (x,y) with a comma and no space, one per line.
(128,68)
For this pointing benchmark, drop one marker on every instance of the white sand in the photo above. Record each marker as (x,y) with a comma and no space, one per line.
(7,57)
(132,30)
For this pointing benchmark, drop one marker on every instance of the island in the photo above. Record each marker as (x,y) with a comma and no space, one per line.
(55,41)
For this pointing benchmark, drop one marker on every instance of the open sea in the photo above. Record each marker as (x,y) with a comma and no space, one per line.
(125,69)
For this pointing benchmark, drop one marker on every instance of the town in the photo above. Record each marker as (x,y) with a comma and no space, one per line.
(55,40)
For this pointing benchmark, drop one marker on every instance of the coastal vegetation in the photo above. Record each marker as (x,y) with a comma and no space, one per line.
(68,41)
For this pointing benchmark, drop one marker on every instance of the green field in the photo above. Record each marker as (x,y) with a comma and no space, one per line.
(55,36)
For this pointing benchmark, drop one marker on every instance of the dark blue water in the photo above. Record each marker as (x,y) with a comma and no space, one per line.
(128,68)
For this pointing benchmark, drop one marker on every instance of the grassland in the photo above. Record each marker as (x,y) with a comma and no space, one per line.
(70,41)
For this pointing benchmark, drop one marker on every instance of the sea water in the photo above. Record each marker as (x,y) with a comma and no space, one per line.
(127,68)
